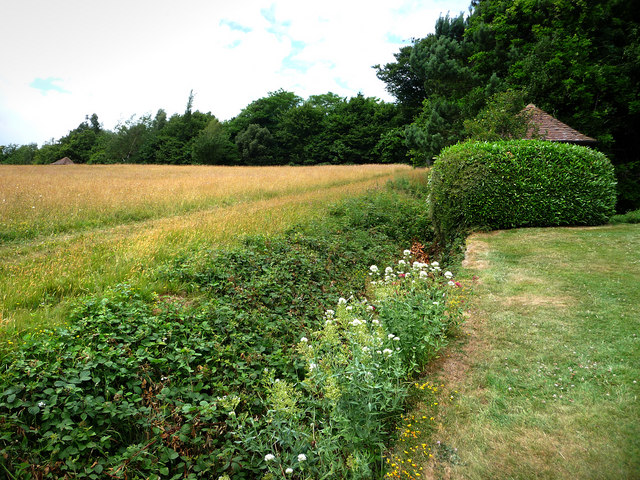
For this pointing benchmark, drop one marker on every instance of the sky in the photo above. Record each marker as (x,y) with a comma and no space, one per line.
(64,59)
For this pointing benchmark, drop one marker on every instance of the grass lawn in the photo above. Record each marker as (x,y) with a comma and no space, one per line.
(545,383)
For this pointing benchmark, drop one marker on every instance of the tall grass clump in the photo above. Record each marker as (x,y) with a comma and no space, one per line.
(263,358)
(519,183)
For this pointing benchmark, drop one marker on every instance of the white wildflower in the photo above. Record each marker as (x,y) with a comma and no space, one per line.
(387,351)
(370,308)
(342,301)
(330,313)
(41,404)
(388,270)
(374,268)
(448,274)
(289,471)
(375,321)
(435,264)
(304,339)
(349,308)
(312,367)
(396,339)
(406,253)
(390,336)
(269,457)
(302,457)
(401,262)
(451,283)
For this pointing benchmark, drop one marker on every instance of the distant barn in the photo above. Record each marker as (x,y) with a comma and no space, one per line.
(546,127)
(63,161)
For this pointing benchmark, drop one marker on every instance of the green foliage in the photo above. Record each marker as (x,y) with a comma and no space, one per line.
(502,119)
(519,183)
(18,154)
(322,129)
(629,217)
(213,146)
(403,82)
(255,145)
(335,424)
(438,125)
(141,385)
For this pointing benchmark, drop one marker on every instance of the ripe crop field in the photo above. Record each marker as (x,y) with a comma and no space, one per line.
(73,230)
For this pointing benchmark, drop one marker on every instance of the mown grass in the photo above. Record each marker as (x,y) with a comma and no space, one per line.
(95,226)
(548,380)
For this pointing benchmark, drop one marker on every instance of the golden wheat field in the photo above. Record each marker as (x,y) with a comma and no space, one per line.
(75,229)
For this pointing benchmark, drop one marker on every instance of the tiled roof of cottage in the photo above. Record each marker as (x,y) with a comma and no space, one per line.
(552,129)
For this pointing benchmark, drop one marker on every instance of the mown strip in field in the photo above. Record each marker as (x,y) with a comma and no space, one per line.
(37,277)
(38,201)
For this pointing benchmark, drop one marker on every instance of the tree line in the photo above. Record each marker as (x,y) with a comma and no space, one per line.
(579,61)
(279,129)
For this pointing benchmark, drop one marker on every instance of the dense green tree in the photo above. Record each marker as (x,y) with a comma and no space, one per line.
(503,118)
(213,146)
(267,112)
(129,136)
(13,154)
(403,82)
(80,143)
(48,153)
(255,145)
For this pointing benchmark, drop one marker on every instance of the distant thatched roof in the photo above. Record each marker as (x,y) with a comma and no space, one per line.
(549,128)
(63,161)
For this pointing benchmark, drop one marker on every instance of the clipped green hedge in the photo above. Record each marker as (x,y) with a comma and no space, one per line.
(519,183)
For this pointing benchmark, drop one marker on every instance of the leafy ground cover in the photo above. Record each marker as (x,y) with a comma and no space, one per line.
(131,218)
(240,367)
(546,383)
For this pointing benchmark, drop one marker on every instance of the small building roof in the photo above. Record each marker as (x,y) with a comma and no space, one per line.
(63,161)
(549,128)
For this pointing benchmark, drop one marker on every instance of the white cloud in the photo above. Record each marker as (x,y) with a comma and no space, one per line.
(126,57)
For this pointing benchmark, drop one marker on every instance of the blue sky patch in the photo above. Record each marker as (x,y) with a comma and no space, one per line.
(48,84)
(235,26)
(397,39)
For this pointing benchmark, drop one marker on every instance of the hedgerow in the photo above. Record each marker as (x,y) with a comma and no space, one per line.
(211,379)
(519,183)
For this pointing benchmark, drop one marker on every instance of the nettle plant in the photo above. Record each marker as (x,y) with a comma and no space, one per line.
(336,422)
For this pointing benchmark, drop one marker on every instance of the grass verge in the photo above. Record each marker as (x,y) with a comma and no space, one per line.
(548,376)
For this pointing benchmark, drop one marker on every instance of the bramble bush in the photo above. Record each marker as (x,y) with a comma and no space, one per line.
(183,385)
(519,183)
